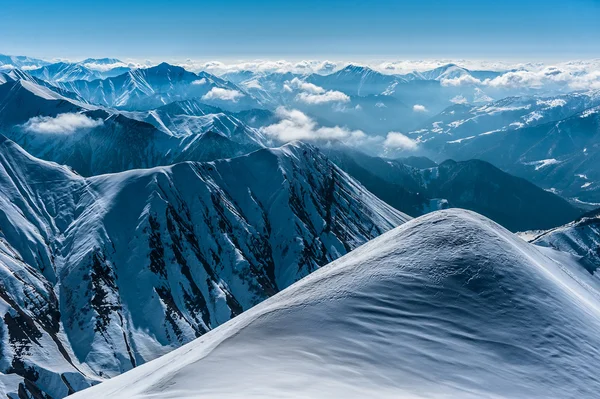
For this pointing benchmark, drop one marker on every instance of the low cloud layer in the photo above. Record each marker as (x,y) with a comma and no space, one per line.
(398,141)
(419,108)
(296,125)
(570,77)
(61,124)
(217,93)
(313,94)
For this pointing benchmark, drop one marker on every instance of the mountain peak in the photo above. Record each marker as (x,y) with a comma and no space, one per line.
(448,296)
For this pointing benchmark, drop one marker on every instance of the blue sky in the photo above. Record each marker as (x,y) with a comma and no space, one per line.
(230,29)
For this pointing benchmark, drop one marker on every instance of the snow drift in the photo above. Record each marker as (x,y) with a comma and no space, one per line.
(446,305)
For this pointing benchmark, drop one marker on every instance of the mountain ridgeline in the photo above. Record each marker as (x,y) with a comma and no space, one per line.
(102,274)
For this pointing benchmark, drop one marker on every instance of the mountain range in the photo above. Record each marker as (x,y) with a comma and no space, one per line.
(164,233)
(477,185)
(105,273)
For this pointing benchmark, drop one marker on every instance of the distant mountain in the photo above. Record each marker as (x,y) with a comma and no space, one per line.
(475,185)
(449,71)
(354,80)
(463,122)
(19,61)
(513,202)
(102,274)
(93,140)
(149,88)
(64,72)
(561,156)
(417,162)
(447,305)
(192,117)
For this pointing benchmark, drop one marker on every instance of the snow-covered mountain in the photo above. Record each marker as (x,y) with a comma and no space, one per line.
(463,122)
(442,306)
(88,69)
(65,72)
(354,80)
(105,273)
(149,88)
(449,71)
(20,61)
(93,140)
(561,156)
(580,238)
(192,117)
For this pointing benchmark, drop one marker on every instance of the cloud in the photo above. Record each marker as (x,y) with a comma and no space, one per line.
(458,100)
(217,93)
(313,94)
(419,108)
(327,97)
(61,124)
(296,125)
(569,76)
(398,141)
(252,84)
(463,80)
(199,81)
(305,86)
(106,67)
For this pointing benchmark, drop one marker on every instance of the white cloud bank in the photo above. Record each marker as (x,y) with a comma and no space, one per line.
(217,93)
(199,82)
(313,94)
(419,108)
(61,124)
(398,141)
(570,76)
(296,125)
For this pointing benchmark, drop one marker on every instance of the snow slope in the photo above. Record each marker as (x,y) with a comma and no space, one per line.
(580,238)
(105,273)
(448,305)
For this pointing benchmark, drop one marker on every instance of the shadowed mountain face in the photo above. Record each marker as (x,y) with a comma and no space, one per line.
(475,185)
(552,142)
(446,305)
(94,140)
(102,274)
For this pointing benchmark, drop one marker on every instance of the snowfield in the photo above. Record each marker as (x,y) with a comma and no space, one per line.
(449,305)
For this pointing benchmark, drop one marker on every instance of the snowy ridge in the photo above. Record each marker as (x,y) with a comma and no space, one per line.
(105,273)
(580,238)
(148,88)
(439,307)
(113,141)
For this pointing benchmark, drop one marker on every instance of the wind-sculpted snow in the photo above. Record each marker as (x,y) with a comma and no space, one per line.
(449,305)
(102,274)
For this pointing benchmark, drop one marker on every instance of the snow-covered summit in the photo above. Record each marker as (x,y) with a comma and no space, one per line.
(447,305)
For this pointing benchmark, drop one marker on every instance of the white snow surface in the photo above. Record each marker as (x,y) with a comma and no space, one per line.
(449,305)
